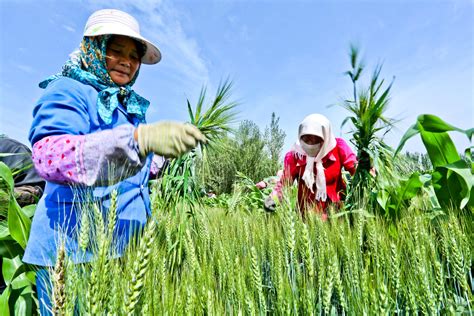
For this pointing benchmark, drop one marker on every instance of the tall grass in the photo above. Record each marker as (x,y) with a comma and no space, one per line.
(221,262)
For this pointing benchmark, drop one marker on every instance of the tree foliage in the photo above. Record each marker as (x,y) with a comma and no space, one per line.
(247,151)
(274,141)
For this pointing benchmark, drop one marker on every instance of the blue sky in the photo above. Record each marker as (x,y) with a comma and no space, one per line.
(286,57)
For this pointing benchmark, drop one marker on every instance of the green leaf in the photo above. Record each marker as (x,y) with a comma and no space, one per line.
(392,230)
(410,187)
(382,198)
(432,197)
(29,210)
(440,148)
(190,112)
(459,173)
(31,275)
(26,291)
(447,190)
(412,131)
(10,249)
(6,175)
(18,223)
(4,308)
(20,281)
(21,306)
(4,232)
(9,268)
(425,178)
(432,123)
(434,214)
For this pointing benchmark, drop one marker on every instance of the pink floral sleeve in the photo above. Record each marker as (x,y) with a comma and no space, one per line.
(88,159)
(57,158)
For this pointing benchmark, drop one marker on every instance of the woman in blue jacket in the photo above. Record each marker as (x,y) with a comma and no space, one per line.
(90,138)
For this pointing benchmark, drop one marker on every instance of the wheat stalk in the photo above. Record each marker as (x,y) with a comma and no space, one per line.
(307,253)
(140,267)
(439,283)
(99,224)
(257,278)
(328,285)
(191,253)
(84,231)
(112,215)
(72,288)
(59,282)
(383,299)
(249,305)
(394,271)
(189,309)
(338,284)
(163,273)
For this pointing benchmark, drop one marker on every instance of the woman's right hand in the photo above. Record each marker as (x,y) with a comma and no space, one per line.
(269,204)
(167,138)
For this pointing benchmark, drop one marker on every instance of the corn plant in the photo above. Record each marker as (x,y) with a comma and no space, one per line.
(15,223)
(453,177)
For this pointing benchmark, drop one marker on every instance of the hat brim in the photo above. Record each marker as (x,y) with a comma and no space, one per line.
(152,54)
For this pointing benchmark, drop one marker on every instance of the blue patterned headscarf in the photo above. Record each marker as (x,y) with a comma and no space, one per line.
(88,65)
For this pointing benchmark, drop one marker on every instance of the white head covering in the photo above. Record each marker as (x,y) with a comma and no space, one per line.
(318,125)
(116,22)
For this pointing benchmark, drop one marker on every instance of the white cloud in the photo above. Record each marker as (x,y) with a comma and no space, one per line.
(69,28)
(25,68)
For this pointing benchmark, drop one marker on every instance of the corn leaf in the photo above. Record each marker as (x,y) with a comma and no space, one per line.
(4,232)
(6,175)
(4,308)
(460,182)
(21,306)
(440,148)
(409,188)
(432,123)
(10,268)
(18,223)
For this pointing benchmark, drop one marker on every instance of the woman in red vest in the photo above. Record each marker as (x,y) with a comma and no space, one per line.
(315,161)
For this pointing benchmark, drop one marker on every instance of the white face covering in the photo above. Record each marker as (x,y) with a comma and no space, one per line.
(311,150)
(318,125)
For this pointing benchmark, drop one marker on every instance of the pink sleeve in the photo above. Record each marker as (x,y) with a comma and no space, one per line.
(289,175)
(99,158)
(348,158)
(57,158)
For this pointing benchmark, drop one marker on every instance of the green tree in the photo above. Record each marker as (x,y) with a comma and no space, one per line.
(220,172)
(274,140)
(251,158)
(247,151)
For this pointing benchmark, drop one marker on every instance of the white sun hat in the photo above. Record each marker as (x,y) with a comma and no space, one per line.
(116,22)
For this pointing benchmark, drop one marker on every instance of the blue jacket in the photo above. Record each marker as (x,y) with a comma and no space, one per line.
(69,107)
